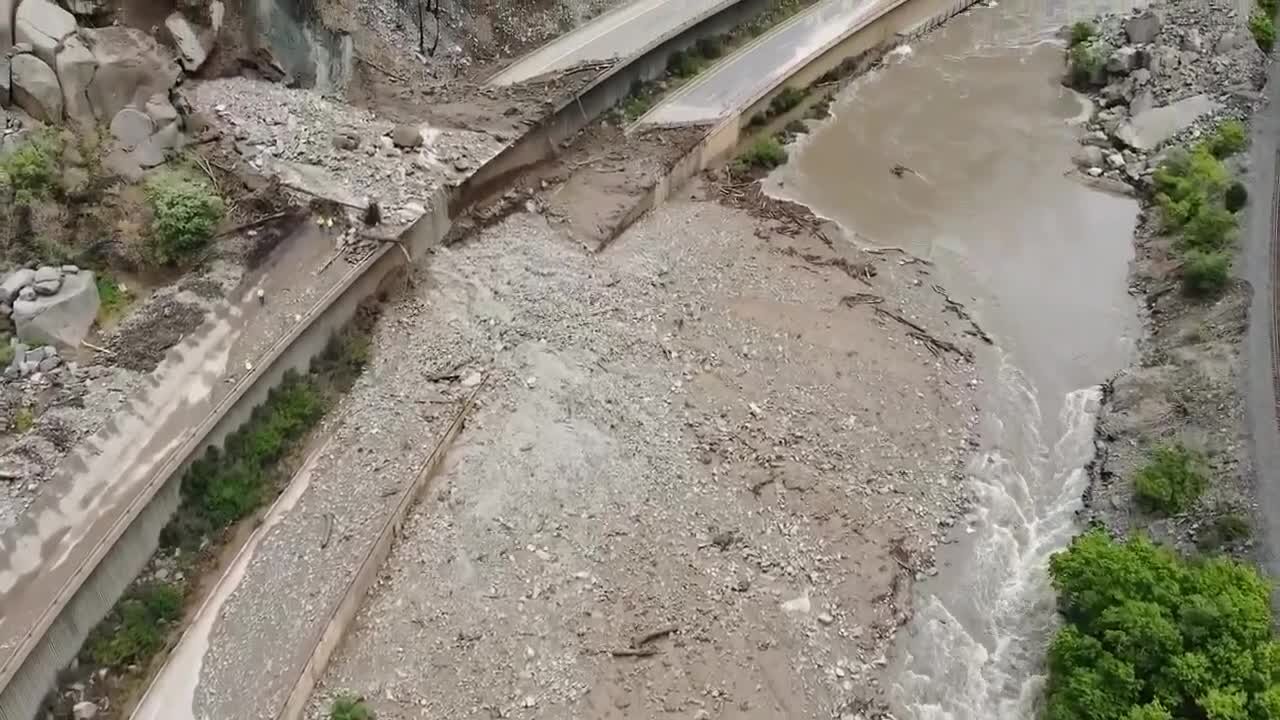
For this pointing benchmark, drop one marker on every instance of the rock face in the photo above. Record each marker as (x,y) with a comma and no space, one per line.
(62,319)
(44,25)
(1147,130)
(75,67)
(1143,28)
(36,88)
(132,67)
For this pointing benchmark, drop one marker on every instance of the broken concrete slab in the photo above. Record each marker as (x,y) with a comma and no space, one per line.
(132,67)
(36,88)
(75,67)
(1148,130)
(44,25)
(62,319)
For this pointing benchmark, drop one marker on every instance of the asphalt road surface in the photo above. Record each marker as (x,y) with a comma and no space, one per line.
(761,66)
(619,33)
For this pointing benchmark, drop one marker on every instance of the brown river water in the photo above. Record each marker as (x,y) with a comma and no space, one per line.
(976,109)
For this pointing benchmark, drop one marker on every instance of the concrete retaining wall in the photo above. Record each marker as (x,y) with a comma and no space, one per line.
(543,140)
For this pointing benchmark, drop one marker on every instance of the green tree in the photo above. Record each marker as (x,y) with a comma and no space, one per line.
(1150,636)
(1173,479)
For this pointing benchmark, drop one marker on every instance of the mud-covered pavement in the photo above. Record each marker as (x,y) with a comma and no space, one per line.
(689,432)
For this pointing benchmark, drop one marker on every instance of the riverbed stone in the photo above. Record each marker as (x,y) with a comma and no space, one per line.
(406,136)
(1088,156)
(1122,61)
(1191,40)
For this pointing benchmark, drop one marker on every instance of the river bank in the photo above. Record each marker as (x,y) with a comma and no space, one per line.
(1184,387)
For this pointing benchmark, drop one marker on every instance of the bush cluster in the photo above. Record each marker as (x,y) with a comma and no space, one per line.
(135,628)
(349,707)
(29,171)
(185,211)
(1172,480)
(1149,636)
(1262,24)
(1085,63)
(1083,32)
(765,153)
(1198,200)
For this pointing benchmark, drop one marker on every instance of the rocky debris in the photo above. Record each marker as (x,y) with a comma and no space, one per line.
(35,88)
(1161,87)
(43,25)
(28,361)
(57,308)
(84,710)
(132,68)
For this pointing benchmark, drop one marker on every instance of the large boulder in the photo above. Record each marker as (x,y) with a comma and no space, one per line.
(192,44)
(15,281)
(75,66)
(7,10)
(1142,28)
(44,25)
(131,127)
(36,88)
(1148,130)
(132,67)
(62,319)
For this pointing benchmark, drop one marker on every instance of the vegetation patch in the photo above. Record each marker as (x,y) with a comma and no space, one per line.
(136,627)
(28,171)
(1198,201)
(23,418)
(1150,636)
(1083,32)
(1227,528)
(766,153)
(185,211)
(350,707)
(112,299)
(1263,26)
(1086,62)
(1172,480)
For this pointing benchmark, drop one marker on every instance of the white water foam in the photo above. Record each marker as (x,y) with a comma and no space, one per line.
(991,669)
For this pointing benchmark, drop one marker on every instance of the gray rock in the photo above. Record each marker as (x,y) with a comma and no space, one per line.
(161,111)
(84,710)
(88,8)
(48,280)
(123,164)
(1122,61)
(62,320)
(167,137)
(15,281)
(1170,58)
(44,25)
(6,309)
(7,8)
(131,127)
(1148,130)
(1191,41)
(193,43)
(75,66)
(70,269)
(27,293)
(1141,76)
(1143,101)
(406,136)
(1229,41)
(132,67)
(6,82)
(49,363)
(36,88)
(1088,156)
(149,154)
(346,141)
(1142,28)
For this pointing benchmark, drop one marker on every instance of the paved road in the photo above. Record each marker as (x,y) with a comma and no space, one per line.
(763,65)
(616,34)
(1256,265)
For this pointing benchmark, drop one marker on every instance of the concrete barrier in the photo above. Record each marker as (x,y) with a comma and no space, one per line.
(543,140)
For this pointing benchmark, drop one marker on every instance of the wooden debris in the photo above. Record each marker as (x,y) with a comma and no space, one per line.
(935,345)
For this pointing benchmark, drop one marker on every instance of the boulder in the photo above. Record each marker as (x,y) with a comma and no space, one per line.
(48,280)
(160,110)
(36,88)
(1142,28)
(132,68)
(149,153)
(406,136)
(1229,41)
(1088,156)
(1149,129)
(1191,41)
(61,320)
(6,86)
(87,8)
(1143,101)
(167,137)
(7,9)
(44,25)
(84,710)
(15,281)
(131,127)
(75,67)
(193,43)
(1122,61)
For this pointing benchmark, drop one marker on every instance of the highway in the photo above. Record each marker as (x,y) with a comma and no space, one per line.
(620,33)
(766,63)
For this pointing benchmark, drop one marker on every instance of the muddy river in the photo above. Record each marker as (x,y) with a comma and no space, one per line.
(976,111)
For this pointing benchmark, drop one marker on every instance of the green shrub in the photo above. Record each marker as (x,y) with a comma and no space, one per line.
(1187,181)
(1212,227)
(29,170)
(765,153)
(349,707)
(1229,138)
(111,299)
(6,350)
(1149,635)
(134,630)
(787,100)
(685,63)
(1172,480)
(1205,273)
(1085,63)
(1263,27)
(23,418)
(1082,32)
(185,212)
(1236,197)
(710,47)
(1226,529)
